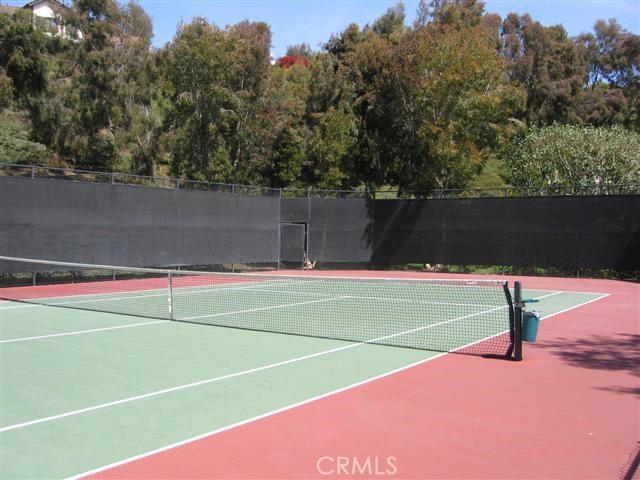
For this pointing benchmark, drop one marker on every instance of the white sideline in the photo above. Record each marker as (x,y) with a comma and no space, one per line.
(232,375)
(195,290)
(78,332)
(294,405)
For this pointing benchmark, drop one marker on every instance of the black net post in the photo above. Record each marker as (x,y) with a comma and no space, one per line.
(517,327)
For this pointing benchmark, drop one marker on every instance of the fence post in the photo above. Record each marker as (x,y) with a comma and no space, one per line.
(112,176)
(33,171)
(177,184)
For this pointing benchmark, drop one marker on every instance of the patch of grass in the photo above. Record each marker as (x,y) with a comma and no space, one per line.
(491,175)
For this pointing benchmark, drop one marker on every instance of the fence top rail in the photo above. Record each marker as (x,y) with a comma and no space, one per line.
(111,176)
(308,192)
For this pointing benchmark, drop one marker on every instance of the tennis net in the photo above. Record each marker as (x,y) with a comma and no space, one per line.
(463,316)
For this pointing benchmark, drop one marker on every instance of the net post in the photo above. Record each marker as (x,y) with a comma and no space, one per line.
(170,299)
(517,327)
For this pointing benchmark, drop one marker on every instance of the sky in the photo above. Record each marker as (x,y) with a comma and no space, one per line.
(313,21)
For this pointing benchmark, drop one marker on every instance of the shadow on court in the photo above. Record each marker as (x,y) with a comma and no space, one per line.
(618,353)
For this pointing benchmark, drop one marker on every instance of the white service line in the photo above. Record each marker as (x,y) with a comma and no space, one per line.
(260,309)
(78,332)
(565,291)
(292,406)
(557,292)
(417,302)
(231,375)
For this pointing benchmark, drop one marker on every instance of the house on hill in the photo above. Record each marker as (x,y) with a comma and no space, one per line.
(46,16)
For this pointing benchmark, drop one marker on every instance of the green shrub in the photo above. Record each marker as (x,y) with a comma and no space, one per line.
(15,143)
(571,155)
(6,91)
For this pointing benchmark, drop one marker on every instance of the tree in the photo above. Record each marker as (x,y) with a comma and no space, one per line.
(138,118)
(98,109)
(289,61)
(216,81)
(610,56)
(391,24)
(23,61)
(600,105)
(571,155)
(630,79)
(463,108)
(360,60)
(331,150)
(544,61)
(457,13)
(96,83)
(599,51)
(285,127)
(299,50)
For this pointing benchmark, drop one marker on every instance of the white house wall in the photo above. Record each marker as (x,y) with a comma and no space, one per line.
(43,10)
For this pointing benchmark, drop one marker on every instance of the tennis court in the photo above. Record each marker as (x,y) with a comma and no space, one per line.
(97,372)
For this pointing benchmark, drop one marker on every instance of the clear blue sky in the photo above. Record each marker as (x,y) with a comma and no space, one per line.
(313,21)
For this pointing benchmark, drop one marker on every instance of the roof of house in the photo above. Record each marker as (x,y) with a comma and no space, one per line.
(36,2)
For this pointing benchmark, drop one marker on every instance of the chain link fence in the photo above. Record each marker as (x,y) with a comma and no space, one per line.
(87,176)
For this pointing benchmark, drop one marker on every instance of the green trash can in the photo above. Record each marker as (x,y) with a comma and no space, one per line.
(530,322)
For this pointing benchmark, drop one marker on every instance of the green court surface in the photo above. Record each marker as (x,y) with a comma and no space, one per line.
(83,389)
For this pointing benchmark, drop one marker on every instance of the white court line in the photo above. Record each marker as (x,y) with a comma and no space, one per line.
(109,299)
(417,302)
(231,375)
(291,406)
(565,291)
(260,309)
(272,307)
(212,287)
(386,299)
(22,305)
(78,332)
(484,339)
(256,288)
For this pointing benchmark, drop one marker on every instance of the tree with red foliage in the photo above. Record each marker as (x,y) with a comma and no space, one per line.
(289,61)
